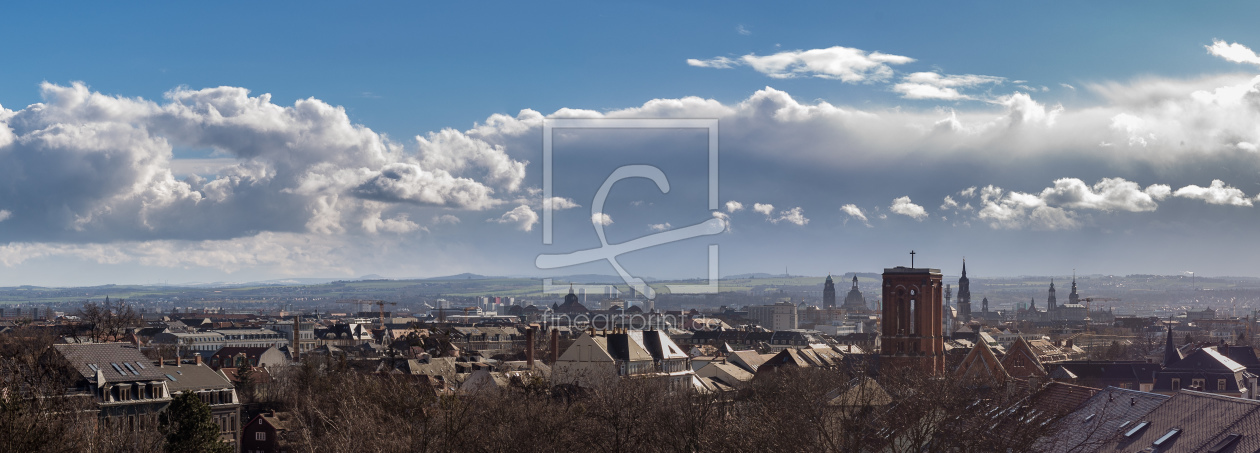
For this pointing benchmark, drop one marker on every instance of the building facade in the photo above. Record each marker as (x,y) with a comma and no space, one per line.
(912,315)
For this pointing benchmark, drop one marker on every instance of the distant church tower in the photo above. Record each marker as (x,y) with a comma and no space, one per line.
(829,293)
(984,305)
(854,302)
(964,296)
(912,319)
(1072,297)
(1051,304)
(947,328)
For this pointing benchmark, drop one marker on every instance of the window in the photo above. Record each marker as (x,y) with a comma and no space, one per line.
(261,435)
(1198,384)
(1225,443)
(1136,429)
(1220,384)
(1176,384)
(1167,436)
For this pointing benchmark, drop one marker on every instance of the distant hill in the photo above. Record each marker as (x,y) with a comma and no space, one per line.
(463,276)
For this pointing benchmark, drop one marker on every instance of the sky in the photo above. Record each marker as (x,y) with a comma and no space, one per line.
(157,143)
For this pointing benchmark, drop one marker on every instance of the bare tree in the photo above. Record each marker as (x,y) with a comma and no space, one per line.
(107,321)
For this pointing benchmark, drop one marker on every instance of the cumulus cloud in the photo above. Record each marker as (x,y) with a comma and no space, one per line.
(561,203)
(600,218)
(1234,52)
(1015,210)
(854,212)
(764,208)
(795,216)
(905,207)
(522,216)
(1216,193)
(968,192)
(949,203)
(659,226)
(445,219)
(5,214)
(931,85)
(734,206)
(1054,208)
(95,167)
(1110,194)
(838,63)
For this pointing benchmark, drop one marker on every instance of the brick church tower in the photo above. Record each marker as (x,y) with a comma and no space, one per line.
(912,321)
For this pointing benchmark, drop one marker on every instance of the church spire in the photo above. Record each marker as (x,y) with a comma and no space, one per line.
(1171,354)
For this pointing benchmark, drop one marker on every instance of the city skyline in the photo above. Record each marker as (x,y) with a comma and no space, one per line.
(407,142)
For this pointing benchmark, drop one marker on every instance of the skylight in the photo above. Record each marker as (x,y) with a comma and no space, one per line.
(1167,436)
(118,369)
(141,365)
(1087,419)
(172,378)
(1137,428)
(93,367)
(1225,443)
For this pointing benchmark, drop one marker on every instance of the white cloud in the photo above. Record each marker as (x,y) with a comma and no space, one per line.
(600,218)
(522,216)
(1070,87)
(1234,52)
(795,216)
(725,218)
(5,214)
(949,203)
(764,208)
(931,85)
(1110,194)
(854,212)
(397,224)
(445,219)
(561,203)
(1216,193)
(905,207)
(659,226)
(100,167)
(838,63)
(716,62)
(734,206)
(741,30)
(968,192)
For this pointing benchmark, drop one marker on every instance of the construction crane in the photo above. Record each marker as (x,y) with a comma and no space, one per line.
(379,303)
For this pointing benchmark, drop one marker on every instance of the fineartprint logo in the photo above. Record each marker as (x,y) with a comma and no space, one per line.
(610,252)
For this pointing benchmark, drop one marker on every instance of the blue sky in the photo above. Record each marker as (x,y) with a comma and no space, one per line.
(1100,129)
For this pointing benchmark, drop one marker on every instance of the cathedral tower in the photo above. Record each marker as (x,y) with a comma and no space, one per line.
(964,296)
(1051,304)
(912,319)
(829,293)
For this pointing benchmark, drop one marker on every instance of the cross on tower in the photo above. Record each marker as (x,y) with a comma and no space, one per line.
(912,259)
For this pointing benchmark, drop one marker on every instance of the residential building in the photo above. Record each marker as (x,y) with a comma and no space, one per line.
(595,357)
(265,433)
(780,316)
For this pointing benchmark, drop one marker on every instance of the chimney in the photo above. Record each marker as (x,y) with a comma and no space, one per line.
(555,346)
(1068,343)
(529,348)
(197,358)
(297,336)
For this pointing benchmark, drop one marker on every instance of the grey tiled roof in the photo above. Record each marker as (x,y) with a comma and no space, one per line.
(118,362)
(195,377)
(1099,418)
